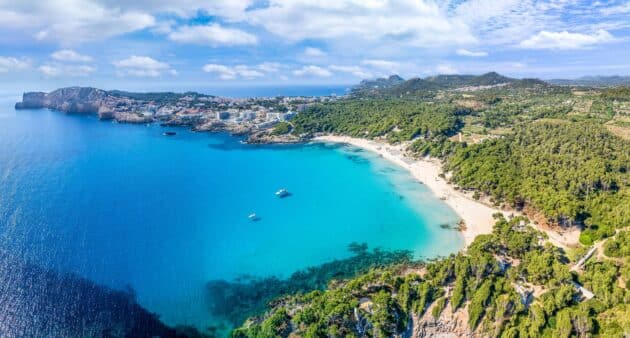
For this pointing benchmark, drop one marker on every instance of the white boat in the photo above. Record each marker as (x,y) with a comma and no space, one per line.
(282,193)
(253,217)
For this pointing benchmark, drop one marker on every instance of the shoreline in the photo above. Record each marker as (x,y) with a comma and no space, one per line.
(476,215)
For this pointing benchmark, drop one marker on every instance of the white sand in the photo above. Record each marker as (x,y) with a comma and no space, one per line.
(477,216)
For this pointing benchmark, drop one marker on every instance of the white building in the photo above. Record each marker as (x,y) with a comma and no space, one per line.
(273,116)
(223,115)
(247,115)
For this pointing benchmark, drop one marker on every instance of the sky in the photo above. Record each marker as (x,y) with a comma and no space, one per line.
(150,44)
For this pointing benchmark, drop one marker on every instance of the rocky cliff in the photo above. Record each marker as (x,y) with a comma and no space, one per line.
(31,100)
(73,100)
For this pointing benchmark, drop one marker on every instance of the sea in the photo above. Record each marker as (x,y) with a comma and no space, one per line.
(125,207)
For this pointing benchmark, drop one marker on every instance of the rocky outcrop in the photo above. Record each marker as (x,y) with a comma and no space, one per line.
(105,113)
(76,100)
(73,100)
(264,137)
(133,118)
(448,324)
(239,130)
(31,100)
(182,121)
(218,126)
(210,126)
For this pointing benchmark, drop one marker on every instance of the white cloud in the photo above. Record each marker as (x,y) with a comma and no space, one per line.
(565,40)
(270,67)
(163,27)
(8,63)
(71,21)
(383,65)
(624,8)
(233,9)
(345,30)
(212,35)
(247,72)
(446,69)
(70,56)
(313,52)
(412,22)
(224,72)
(142,66)
(345,24)
(55,69)
(311,70)
(466,52)
(49,70)
(353,70)
(241,71)
(500,22)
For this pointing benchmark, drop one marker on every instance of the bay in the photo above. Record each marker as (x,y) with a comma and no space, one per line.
(126,207)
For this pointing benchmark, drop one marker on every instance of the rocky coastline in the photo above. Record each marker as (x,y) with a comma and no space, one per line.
(249,118)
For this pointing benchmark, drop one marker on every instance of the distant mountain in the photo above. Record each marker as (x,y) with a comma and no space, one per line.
(454,81)
(395,85)
(595,81)
(380,83)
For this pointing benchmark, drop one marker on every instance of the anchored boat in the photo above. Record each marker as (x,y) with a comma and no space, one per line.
(282,193)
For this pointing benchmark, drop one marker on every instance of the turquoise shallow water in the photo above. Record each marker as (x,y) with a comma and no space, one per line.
(123,205)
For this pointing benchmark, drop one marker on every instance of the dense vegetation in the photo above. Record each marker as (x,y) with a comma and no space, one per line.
(489,284)
(281,128)
(619,246)
(571,172)
(398,120)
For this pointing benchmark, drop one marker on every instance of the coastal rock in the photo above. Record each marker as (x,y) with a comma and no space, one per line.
(74,100)
(31,100)
(133,118)
(183,121)
(210,126)
(105,113)
(239,130)
(264,137)
(448,324)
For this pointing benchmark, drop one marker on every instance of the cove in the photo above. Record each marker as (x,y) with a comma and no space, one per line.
(126,207)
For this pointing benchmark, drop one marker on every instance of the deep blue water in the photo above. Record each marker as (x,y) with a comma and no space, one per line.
(122,205)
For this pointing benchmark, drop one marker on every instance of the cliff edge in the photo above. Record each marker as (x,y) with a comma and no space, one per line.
(73,100)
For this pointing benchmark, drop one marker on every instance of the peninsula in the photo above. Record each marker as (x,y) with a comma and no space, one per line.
(253,117)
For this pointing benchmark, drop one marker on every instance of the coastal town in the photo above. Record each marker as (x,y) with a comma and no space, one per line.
(253,116)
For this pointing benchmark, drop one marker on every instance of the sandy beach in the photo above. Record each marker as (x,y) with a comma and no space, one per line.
(477,216)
